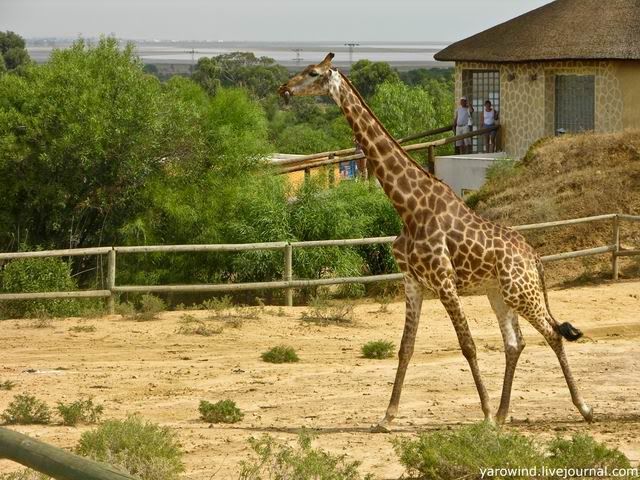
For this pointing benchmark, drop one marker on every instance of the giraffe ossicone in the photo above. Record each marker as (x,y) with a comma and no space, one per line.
(446,247)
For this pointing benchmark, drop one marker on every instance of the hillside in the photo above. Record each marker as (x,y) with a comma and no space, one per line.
(569,177)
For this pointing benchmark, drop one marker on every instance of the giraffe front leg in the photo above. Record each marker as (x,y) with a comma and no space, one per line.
(413,297)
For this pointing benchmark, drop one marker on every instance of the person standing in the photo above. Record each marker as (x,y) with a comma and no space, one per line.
(489,119)
(463,123)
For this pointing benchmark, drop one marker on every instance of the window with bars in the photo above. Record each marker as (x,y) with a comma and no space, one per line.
(575,103)
(479,86)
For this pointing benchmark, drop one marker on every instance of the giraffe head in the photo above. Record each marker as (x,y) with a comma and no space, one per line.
(312,81)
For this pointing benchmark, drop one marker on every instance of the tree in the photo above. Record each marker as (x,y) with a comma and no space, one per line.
(261,76)
(367,76)
(12,51)
(405,110)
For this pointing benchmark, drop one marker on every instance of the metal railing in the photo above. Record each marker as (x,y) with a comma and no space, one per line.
(287,283)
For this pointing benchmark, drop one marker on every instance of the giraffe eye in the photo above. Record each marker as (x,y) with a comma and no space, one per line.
(313,73)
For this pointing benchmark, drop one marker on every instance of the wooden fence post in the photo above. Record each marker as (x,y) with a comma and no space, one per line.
(288,273)
(431,159)
(616,244)
(111,281)
(53,461)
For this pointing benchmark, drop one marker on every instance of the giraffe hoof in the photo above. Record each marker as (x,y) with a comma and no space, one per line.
(587,413)
(379,428)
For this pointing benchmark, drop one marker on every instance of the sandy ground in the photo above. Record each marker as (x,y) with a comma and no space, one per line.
(150,369)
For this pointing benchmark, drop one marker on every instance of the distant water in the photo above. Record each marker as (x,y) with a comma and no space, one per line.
(401,53)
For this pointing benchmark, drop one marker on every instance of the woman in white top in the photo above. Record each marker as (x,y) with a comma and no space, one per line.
(489,119)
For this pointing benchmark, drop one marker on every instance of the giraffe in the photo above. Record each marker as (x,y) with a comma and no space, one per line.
(446,247)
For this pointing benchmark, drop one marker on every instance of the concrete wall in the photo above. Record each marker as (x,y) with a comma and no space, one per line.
(465,172)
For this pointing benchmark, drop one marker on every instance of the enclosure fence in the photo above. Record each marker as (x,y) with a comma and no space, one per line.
(288,283)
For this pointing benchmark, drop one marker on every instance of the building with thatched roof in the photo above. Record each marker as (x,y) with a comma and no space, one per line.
(568,66)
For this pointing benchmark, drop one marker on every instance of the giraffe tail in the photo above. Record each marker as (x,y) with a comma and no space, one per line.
(565,329)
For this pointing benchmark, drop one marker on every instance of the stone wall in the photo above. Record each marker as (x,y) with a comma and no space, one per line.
(527,96)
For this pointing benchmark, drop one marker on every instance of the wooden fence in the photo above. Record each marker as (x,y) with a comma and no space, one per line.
(53,461)
(315,160)
(287,283)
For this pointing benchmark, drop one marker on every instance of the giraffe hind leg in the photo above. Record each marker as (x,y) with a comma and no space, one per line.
(513,346)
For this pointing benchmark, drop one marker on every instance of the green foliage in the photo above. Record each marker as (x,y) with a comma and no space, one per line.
(26,410)
(378,349)
(37,275)
(80,411)
(582,451)
(224,411)
(280,354)
(424,76)
(143,449)
(150,307)
(405,110)
(13,52)
(83,328)
(261,76)
(323,312)
(276,461)
(502,169)
(193,326)
(468,451)
(367,76)
(25,474)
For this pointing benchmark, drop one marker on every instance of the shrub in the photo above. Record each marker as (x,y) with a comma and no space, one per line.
(320,311)
(224,411)
(83,328)
(150,307)
(280,354)
(144,449)
(7,385)
(26,410)
(378,349)
(279,461)
(84,411)
(25,474)
(38,275)
(199,328)
(583,452)
(456,454)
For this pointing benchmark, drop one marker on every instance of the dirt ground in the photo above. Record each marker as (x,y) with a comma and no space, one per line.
(150,369)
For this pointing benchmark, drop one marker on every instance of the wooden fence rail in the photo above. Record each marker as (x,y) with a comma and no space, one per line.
(288,283)
(53,461)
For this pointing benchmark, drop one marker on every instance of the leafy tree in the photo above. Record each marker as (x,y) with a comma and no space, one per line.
(367,76)
(405,110)
(422,76)
(79,138)
(260,75)
(13,53)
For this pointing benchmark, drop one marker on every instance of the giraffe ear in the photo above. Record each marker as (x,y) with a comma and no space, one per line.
(327,59)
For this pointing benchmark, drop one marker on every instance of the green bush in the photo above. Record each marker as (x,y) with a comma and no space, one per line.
(80,411)
(26,410)
(224,411)
(143,449)
(468,451)
(38,275)
(277,461)
(280,354)
(378,349)
(25,474)
(150,307)
(7,385)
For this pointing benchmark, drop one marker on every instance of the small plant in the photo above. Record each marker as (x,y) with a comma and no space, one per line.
(80,411)
(142,449)
(198,327)
(224,411)
(279,461)
(280,354)
(126,309)
(83,328)
(321,311)
(582,451)
(7,385)
(187,319)
(40,322)
(218,304)
(384,301)
(378,349)
(26,474)
(26,410)
(150,307)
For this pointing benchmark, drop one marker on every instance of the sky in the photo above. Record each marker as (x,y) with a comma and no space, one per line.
(260,20)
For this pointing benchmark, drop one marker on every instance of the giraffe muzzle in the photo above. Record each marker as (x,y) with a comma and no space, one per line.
(285,93)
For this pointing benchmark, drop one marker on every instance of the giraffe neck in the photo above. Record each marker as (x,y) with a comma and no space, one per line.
(400,176)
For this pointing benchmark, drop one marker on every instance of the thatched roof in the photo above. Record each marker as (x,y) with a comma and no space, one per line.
(561,30)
